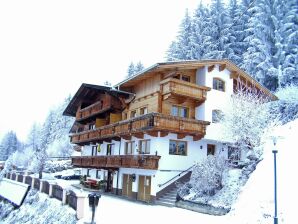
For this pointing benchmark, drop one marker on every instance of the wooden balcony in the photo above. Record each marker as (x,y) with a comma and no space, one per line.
(150,124)
(172,87)
(118,161)
(106,104)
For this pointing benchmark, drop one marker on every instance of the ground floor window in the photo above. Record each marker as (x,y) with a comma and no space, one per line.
(98,174)
(88,172)
(178,147)
(110,149)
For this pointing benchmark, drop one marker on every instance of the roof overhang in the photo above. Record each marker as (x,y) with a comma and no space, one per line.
(188,65)
(87,91)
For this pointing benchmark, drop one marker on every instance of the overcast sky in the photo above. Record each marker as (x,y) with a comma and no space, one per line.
(48,48)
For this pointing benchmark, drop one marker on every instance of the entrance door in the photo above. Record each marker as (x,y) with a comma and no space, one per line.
(144,190)
(210,149)
(127,185)
(109,181)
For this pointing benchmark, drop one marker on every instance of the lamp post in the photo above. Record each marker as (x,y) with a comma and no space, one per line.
(274,151)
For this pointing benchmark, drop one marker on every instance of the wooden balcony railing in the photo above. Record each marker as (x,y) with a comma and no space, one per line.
(117,161)
(145,124)
(172,86)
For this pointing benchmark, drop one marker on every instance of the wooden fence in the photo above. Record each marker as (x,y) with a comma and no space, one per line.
(28,180)
(13,176)
(45,187)
(36,183)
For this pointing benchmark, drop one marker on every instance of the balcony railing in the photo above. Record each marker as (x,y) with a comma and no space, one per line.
(148,123)
(117,161)
(172,86)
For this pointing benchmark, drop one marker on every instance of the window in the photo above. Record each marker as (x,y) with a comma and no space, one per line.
(88,172)
(98,174)
(179,111)
(185,78)
(110,149)
(210,149)
(143,110)
(124,116)
(144,147)
(218,84)
(234,153)
(217,115)
(133,113)
(94,150)
(178,148)
(129,147)
(91,126)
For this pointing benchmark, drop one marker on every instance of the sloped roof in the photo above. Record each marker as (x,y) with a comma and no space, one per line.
(189,65)
(89,91)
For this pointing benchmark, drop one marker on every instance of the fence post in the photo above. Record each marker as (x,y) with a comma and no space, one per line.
(51,190)
(40,185)
(80,206)
(64,194)
(32,183)
(24,178)
(16,177)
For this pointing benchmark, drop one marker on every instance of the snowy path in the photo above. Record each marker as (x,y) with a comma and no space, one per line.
(115,210)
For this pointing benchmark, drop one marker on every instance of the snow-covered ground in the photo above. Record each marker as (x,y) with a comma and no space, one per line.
(255,203)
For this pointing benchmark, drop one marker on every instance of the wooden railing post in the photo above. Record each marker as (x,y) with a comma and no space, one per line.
(40,185)
(51,189)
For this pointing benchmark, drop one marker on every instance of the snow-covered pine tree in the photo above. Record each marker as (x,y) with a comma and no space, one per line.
(264,55)
(182,47)
(290,43)
(219,33)
(10,144)
(130,70)
(200,39)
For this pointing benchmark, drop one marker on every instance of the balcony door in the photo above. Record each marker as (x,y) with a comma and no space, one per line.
(127,185)
(144,190)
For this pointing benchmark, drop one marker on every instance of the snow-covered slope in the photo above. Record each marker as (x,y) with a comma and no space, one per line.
(256,202)
(38,208)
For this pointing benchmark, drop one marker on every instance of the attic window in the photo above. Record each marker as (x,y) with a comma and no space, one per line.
(218,84)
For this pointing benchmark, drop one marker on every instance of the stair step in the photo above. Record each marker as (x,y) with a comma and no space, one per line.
(169,197)
(168,204)
(168,200)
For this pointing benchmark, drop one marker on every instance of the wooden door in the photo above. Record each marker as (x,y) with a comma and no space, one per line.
(144,191)
(127,185)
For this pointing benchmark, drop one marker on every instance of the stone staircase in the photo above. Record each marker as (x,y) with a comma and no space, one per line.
(169,197)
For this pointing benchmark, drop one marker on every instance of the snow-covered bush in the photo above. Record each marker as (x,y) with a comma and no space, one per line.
(207,175)
(286,108)
(246,119)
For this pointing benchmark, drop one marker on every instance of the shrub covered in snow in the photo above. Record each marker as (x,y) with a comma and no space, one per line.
(206,176)
(286,108)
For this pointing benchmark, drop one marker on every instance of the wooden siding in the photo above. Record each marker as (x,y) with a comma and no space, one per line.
(150,123)
(147,86)
(127,161)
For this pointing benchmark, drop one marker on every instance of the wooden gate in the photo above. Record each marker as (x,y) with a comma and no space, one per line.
(144,190)
(127,185)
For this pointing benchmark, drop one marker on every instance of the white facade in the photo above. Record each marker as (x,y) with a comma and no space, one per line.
(171,165)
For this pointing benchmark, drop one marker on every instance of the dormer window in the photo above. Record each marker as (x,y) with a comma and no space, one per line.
(218,84)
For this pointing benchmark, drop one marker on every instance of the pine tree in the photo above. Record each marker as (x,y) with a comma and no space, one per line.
(218,30)
(181,49)
(200,38)
(139,67)
(10,144)
(131,70)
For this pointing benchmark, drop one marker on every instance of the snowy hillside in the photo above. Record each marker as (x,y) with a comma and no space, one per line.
(255,203)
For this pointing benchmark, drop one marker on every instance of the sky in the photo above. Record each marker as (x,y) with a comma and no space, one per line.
(48,48)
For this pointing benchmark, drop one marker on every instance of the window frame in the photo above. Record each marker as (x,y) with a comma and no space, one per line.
(179,108)
(217,115)
(133,113)
(94,149)
(177,147)
(144,110)
(147,148)
(98,176)
(216,84)
(111,150)
(212,150)
(132,147)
